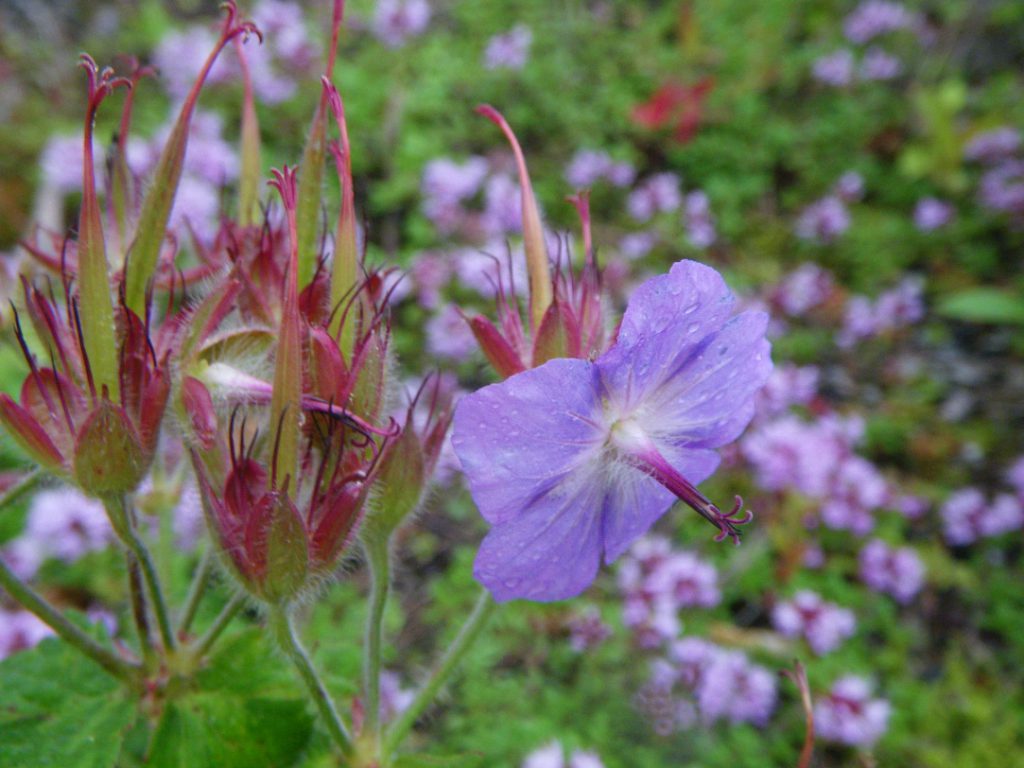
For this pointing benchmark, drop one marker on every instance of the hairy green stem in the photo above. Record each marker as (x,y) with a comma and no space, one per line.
(204,643)
(378,560)
(283,630)
(123,518)
(140,615)
(68,632)
(439,675)
(195,592)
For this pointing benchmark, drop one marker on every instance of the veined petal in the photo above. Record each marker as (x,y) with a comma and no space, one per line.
(668,321)
(551,550)
(520,438)
(710,399)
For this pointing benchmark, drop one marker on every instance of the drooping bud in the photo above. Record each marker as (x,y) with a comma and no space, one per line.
(156,207)
(499,353)
(537,265)
(97,309)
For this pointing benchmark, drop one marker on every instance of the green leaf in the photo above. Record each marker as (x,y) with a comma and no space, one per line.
(984,305)
(246,710)
(58,708)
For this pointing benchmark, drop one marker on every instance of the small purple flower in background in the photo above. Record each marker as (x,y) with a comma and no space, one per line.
(479,271)
(429,273)
(876,17)
(994,145)
(900,306)
(910,506)
(834,68)
(61,162)
(848,715)
(448,181)
(1002,188)
(575,460)
(67,524)
(588,166)
(717,685)
(858,488)
(803,289)
(395,21)
(656,194)
(394,699)
(502,215)
(968,516)
(697,218)
(1015,476)
(510,50)
(180,56)
(788,385)
(657,582)
(823,221)
(822,624)
(552,755)
(20,630)
(850,187)
(587,630)
(449,335)
(897,571)
(636,245)
(879,65)
(930,214)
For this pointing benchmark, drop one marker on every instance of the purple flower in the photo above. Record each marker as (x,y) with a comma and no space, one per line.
(67,524)
(823,221)
(788,385)
(552,755)
(697,218)
(930,214)
(180,56)
(850,187)
(993,146)
(502,214)
(824,625)
(575,460)
(848,715)
(510,50)
(394,699)
(857,489)
(897,571)
(587,630)
(1015,476)
(656,194)
(967,516)
(588,166)
(636,245)
(20,630)
(395,21)
(1002,188)
(449,335)
(724,685)
(876,17)
(834,68)
(804,288)
(61,162)
(447,180)
(879,65)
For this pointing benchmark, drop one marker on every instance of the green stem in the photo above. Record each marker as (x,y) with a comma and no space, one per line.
(68,632)
(29,481)
(441,672)
(204,643)
(378,560)
(137,598)
(124,524)
(195,592)
(280,622)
